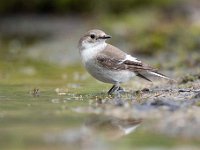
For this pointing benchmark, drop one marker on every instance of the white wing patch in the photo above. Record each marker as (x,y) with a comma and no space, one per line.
(131,58)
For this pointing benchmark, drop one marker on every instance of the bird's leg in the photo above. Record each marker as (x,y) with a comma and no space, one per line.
(115,88)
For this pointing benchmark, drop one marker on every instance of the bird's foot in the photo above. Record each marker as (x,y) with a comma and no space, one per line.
(120,90)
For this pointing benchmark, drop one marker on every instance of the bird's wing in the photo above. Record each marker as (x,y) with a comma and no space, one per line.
(114,59)
(119,60)
(117,64)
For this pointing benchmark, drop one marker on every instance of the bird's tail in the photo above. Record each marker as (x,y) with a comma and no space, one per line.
(160,75)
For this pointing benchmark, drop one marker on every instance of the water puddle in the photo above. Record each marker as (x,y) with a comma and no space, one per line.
(52,118)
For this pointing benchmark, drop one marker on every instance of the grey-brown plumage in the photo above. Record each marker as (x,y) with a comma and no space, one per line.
(115,61)
(109,64)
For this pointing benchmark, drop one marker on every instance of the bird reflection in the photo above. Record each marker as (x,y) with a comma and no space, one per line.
(95,132)
(111,127)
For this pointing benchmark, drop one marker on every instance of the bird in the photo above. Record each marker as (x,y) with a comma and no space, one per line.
(109,64)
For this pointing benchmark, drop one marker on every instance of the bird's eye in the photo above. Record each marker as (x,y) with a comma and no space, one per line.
(92,36)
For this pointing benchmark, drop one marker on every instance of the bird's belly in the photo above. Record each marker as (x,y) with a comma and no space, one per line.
(108,76)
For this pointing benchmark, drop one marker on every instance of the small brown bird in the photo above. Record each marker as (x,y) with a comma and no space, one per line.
(109,64)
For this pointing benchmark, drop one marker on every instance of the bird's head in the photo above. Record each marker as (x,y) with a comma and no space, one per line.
(93,38)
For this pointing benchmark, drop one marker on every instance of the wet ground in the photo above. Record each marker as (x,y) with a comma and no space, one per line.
(58,118)
(48,101)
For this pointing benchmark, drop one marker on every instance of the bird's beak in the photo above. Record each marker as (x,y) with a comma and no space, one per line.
(105,37)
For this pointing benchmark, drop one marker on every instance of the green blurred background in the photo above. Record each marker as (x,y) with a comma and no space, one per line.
(142,27)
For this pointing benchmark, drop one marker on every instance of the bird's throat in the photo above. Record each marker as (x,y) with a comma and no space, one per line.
(91,52)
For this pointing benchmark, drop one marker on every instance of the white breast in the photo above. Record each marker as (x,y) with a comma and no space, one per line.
(91,52)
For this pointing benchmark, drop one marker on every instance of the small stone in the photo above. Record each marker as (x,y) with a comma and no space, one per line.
(35,92)
(145,90)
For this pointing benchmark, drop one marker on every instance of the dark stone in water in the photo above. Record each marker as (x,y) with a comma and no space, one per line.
(145,90)
(197,95)
(171,104)
(184,90)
